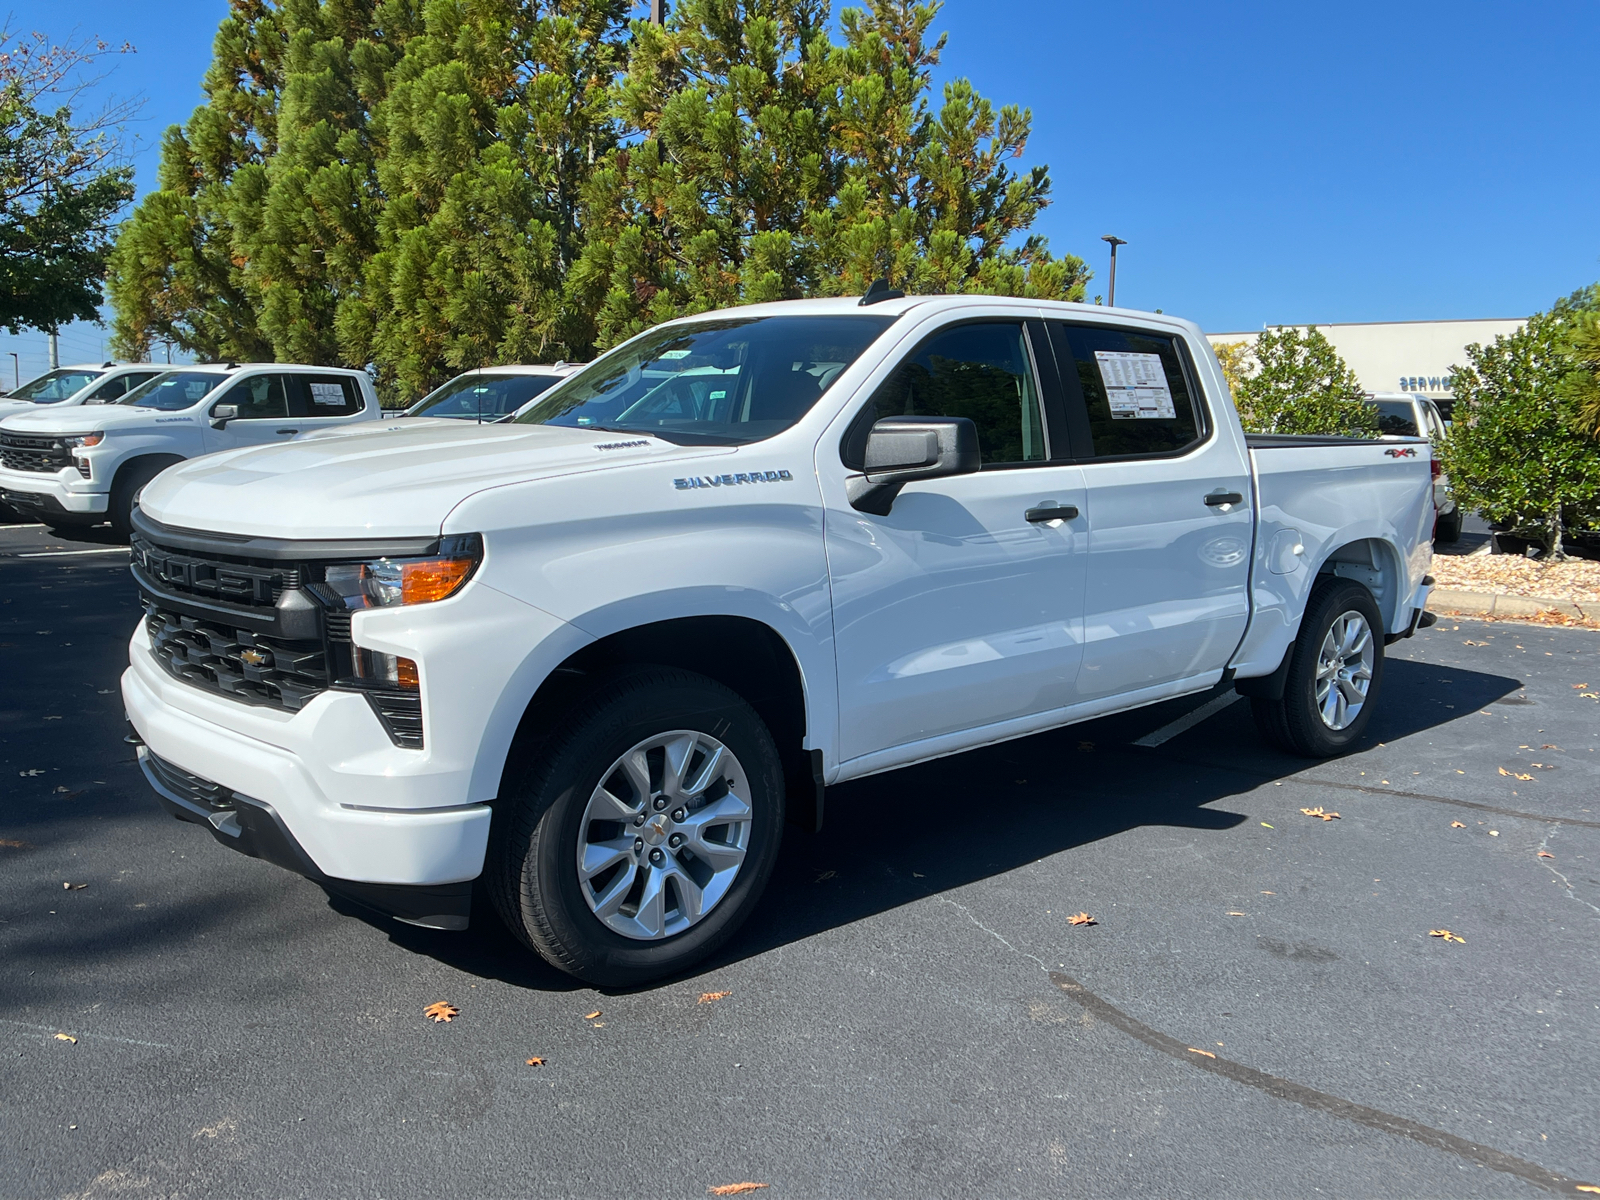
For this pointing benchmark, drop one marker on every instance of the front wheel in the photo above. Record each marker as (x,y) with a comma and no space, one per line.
(1335,671)
(645,833)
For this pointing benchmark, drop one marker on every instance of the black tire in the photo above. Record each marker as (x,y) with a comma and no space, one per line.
(125,490)
(1447,528)
(531,873)
(1294,722)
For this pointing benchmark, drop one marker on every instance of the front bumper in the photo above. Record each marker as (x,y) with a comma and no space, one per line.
(64,493)
(253,827)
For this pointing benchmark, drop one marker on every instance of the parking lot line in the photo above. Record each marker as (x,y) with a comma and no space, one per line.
(1189,720)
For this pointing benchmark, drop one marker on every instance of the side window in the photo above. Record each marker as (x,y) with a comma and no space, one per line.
(110,391)
(325,396)
(260,398)
(1133,389)
(981,371)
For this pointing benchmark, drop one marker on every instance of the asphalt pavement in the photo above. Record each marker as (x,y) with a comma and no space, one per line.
(1259,1009)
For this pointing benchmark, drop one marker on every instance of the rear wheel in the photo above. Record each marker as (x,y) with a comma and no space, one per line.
(1335,671)
(644,834)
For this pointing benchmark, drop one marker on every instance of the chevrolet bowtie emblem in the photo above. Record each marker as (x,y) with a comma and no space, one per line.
(253,657)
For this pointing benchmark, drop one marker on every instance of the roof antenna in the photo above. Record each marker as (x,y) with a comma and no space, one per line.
(880,290)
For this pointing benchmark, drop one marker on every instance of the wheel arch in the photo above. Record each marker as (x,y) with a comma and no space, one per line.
(128,466)
(1375,563)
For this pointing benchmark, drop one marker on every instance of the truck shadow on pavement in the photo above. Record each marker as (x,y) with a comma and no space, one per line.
(900,837)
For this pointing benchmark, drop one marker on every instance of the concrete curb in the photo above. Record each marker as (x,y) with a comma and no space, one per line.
(1494,604)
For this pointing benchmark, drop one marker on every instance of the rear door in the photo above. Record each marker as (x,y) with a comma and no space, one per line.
(323,401)
(957,611)
(1168,513)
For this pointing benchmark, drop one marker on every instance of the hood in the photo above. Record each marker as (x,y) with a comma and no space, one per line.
(86,418)
(393,479)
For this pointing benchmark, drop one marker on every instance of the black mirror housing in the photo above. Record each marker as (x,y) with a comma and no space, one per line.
(902,450)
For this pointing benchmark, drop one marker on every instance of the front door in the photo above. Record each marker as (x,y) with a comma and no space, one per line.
(263,404)
(957,610)
(1169,511)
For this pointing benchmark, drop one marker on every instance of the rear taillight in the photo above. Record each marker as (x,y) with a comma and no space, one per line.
(1437,469)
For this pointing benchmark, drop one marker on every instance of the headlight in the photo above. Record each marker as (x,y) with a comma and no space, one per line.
(82,441)
(385,582)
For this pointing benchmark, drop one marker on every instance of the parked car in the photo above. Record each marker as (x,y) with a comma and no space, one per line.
(81,383)
(596,656)
(78,465)
(1409,415)
(489,394)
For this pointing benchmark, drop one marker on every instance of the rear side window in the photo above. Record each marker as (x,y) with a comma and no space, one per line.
(110,391)
(1133,389)
(324,396)
(981,371)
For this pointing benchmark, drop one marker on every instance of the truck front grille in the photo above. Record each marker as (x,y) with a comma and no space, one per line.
(280,672)
(209,577)
(42,455)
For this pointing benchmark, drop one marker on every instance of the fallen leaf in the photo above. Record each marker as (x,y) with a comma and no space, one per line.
(14,844)
(712,997)
(1264,825)
(66,1037)
(1446,935)
(1545,854)
(30,774)
(1457,825)
(918,875)
(1587,1187)
(1514,775)
(1494,833)
(591,1016)
(1590,695)
(1082,918)
(72,887)
(441,1011)
(736,1189)
(1235,913)
(1578,687)
(536,1062)
(1547,746)
(1207,1053)
(1269,893)
(1326,816)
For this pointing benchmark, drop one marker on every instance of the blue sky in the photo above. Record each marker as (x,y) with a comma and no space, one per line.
(1276,163)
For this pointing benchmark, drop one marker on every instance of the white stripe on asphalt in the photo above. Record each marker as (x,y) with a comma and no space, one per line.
(69,553)
(1189,720)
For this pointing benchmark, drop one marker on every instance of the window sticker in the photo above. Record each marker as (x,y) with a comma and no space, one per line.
(1136,385)
(327,393)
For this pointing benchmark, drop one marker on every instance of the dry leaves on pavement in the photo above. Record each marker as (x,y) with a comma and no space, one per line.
(1207,1053)
(1515,775)
(536,1062)
(1545,854)
(440,1011)
(14,844)
(66,1037)
(1326,816)
(72,887)
(1457,825)
(593,1015)
(1082,918)
(1446,935)
(736,1189)
(712,997)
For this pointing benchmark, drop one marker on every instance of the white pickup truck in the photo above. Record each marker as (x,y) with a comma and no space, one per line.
(84,463)
(593,655)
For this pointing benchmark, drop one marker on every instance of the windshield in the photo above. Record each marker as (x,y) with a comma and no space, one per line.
(1396,418)
(172,390)
(722,382)
(475,396)
(57,385)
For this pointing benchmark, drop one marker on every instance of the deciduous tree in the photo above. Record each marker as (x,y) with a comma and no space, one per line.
(1300,385)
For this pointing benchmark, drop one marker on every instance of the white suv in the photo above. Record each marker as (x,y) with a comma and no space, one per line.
(1409,414)
(82,465)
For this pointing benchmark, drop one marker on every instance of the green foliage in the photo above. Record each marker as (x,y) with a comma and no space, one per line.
(1299,384)
(432,185)
(1580,385)
(62,183)
(1510,453)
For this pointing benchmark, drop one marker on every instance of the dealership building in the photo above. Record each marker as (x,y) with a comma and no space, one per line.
(1403,356)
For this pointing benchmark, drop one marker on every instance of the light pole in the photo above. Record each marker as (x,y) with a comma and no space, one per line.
(1111,291)
(16,376)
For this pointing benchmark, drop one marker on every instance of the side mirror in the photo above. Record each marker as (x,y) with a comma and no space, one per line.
(902,450)
(222,414)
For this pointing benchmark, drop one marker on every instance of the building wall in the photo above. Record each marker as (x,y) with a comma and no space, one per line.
(1403,356)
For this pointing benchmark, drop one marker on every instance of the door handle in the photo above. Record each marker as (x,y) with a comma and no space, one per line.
(1218,498)
(1052,512)
(289,431)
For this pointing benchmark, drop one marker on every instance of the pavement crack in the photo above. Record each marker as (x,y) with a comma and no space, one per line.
(1549,865)
(967,912)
